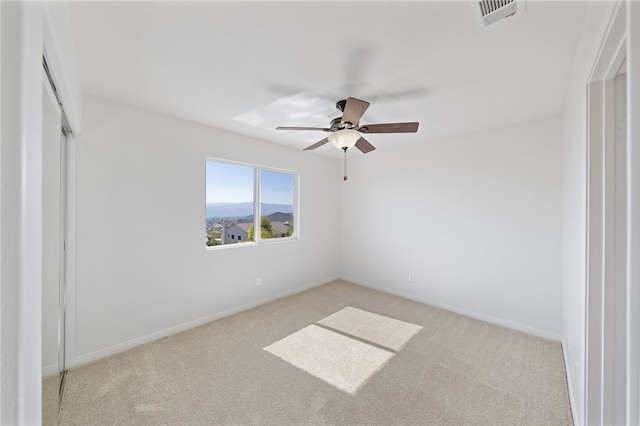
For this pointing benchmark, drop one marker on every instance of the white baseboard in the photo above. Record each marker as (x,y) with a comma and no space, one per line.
(476,315)
(49,370)
(569,383)
(120,347)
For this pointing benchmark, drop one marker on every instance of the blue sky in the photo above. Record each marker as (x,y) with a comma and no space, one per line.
(231,183)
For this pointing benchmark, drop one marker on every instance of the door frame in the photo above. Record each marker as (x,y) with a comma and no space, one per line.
(613,236)
(633,212)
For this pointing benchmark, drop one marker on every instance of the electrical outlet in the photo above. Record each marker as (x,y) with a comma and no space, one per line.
(412,277)
(258,281)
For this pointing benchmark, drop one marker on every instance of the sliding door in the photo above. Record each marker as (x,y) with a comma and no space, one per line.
(53,250)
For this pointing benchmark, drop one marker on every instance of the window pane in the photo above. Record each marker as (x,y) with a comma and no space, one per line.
(229,208)
(276,204)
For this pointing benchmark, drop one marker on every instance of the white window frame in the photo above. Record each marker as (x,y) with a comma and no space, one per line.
(257,209)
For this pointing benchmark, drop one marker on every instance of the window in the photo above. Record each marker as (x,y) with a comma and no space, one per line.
(241,198)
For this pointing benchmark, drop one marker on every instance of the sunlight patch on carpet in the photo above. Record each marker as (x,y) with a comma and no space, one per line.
(341,361)
(384,331)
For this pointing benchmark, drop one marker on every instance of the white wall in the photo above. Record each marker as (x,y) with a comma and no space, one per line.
(476,218)
(142,268)
(574,204)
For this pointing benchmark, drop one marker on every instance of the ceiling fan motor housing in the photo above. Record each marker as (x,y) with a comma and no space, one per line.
(338,124)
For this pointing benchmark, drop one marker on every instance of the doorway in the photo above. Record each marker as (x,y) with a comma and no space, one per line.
(608,222)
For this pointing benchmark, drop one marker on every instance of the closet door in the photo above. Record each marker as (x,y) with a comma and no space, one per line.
(52,251)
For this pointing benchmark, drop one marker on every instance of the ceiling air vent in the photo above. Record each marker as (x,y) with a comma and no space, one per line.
(494,11)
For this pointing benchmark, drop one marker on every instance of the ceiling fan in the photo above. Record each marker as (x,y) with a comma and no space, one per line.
(346,131)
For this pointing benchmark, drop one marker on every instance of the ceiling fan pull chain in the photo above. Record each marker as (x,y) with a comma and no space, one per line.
(345,163)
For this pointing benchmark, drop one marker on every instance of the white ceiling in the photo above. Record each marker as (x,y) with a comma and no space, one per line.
(425,61)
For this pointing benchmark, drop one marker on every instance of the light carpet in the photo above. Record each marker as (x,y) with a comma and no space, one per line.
(455,371)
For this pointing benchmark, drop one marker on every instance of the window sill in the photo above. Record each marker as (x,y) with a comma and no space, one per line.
(253,244)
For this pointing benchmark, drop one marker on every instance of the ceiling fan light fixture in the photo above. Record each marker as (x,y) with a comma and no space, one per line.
(344,139)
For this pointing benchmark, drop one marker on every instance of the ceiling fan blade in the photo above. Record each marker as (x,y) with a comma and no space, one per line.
(390,128)
(363,145)
(320,129)
(316,145)
(354,110)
